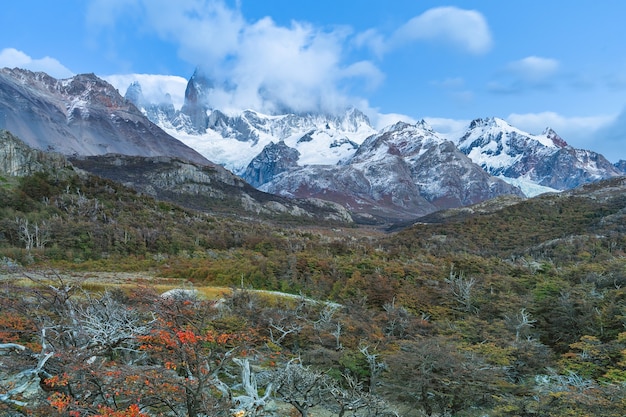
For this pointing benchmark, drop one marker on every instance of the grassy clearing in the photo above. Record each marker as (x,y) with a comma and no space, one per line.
(97,282)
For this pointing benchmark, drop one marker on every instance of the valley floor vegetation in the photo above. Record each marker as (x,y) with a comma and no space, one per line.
(517,312)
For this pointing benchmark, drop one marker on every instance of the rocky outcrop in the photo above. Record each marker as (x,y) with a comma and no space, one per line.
(272,161)
(207,188)
(196,107)
(18,159)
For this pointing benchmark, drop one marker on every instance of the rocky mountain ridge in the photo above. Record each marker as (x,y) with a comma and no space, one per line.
(403,172)
(82,115)
(207,188)
(533,163)
(234,139)
(544,159)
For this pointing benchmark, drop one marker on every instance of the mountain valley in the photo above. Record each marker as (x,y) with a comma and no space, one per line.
(426,276)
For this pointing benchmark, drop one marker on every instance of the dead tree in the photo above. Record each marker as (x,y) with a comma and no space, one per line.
(462,289)
(301,387)
(251,402)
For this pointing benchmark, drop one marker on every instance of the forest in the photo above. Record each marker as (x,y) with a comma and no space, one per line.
(519,310)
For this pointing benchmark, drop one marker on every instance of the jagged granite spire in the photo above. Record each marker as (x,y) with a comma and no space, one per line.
(196,105)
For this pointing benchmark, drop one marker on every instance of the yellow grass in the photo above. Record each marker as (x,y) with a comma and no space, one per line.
(96,282)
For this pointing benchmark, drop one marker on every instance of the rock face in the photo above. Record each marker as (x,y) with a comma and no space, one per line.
(82,115)
(403,172)
(162,111)
(272,161)
(194,118)
(544,159)
(18,159)
(621,166)
(208,188)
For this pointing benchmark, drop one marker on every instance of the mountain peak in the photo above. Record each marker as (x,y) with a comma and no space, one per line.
(274,159)
(554,137)
(544,159)
(490,122)
(81,115)
(423,124)
(134,94)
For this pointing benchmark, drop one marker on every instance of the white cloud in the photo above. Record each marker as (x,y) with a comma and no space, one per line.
(373,40)
(530,73)
(153,87)
(451,129)
(538,122)
(465,29)
(10,57)
(259,65)
(534,69)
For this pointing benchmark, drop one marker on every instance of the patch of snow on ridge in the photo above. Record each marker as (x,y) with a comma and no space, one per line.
(486,157)
(528,187)
(231,153)
(321,140)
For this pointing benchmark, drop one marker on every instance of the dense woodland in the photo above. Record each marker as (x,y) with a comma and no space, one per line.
(515,312)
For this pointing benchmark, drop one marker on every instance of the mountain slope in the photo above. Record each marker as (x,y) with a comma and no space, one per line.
(82,115)
(405,171)
(546,226)
(545,159)
(207,188)
(234,139)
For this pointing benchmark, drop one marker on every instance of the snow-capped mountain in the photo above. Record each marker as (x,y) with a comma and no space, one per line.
(82,115)
(402,172)
(528,161)
(233,140)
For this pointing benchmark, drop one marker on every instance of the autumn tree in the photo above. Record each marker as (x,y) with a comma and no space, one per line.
(438,378)
(187,342)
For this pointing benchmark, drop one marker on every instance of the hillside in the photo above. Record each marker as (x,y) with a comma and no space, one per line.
(511,307)
(533,227)
(82,115)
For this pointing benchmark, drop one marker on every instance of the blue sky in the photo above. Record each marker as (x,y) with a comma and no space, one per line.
(533,63)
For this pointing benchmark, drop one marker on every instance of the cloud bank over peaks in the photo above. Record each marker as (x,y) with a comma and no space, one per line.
(155,88)
(269,67)
(12,58)
(259,64)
